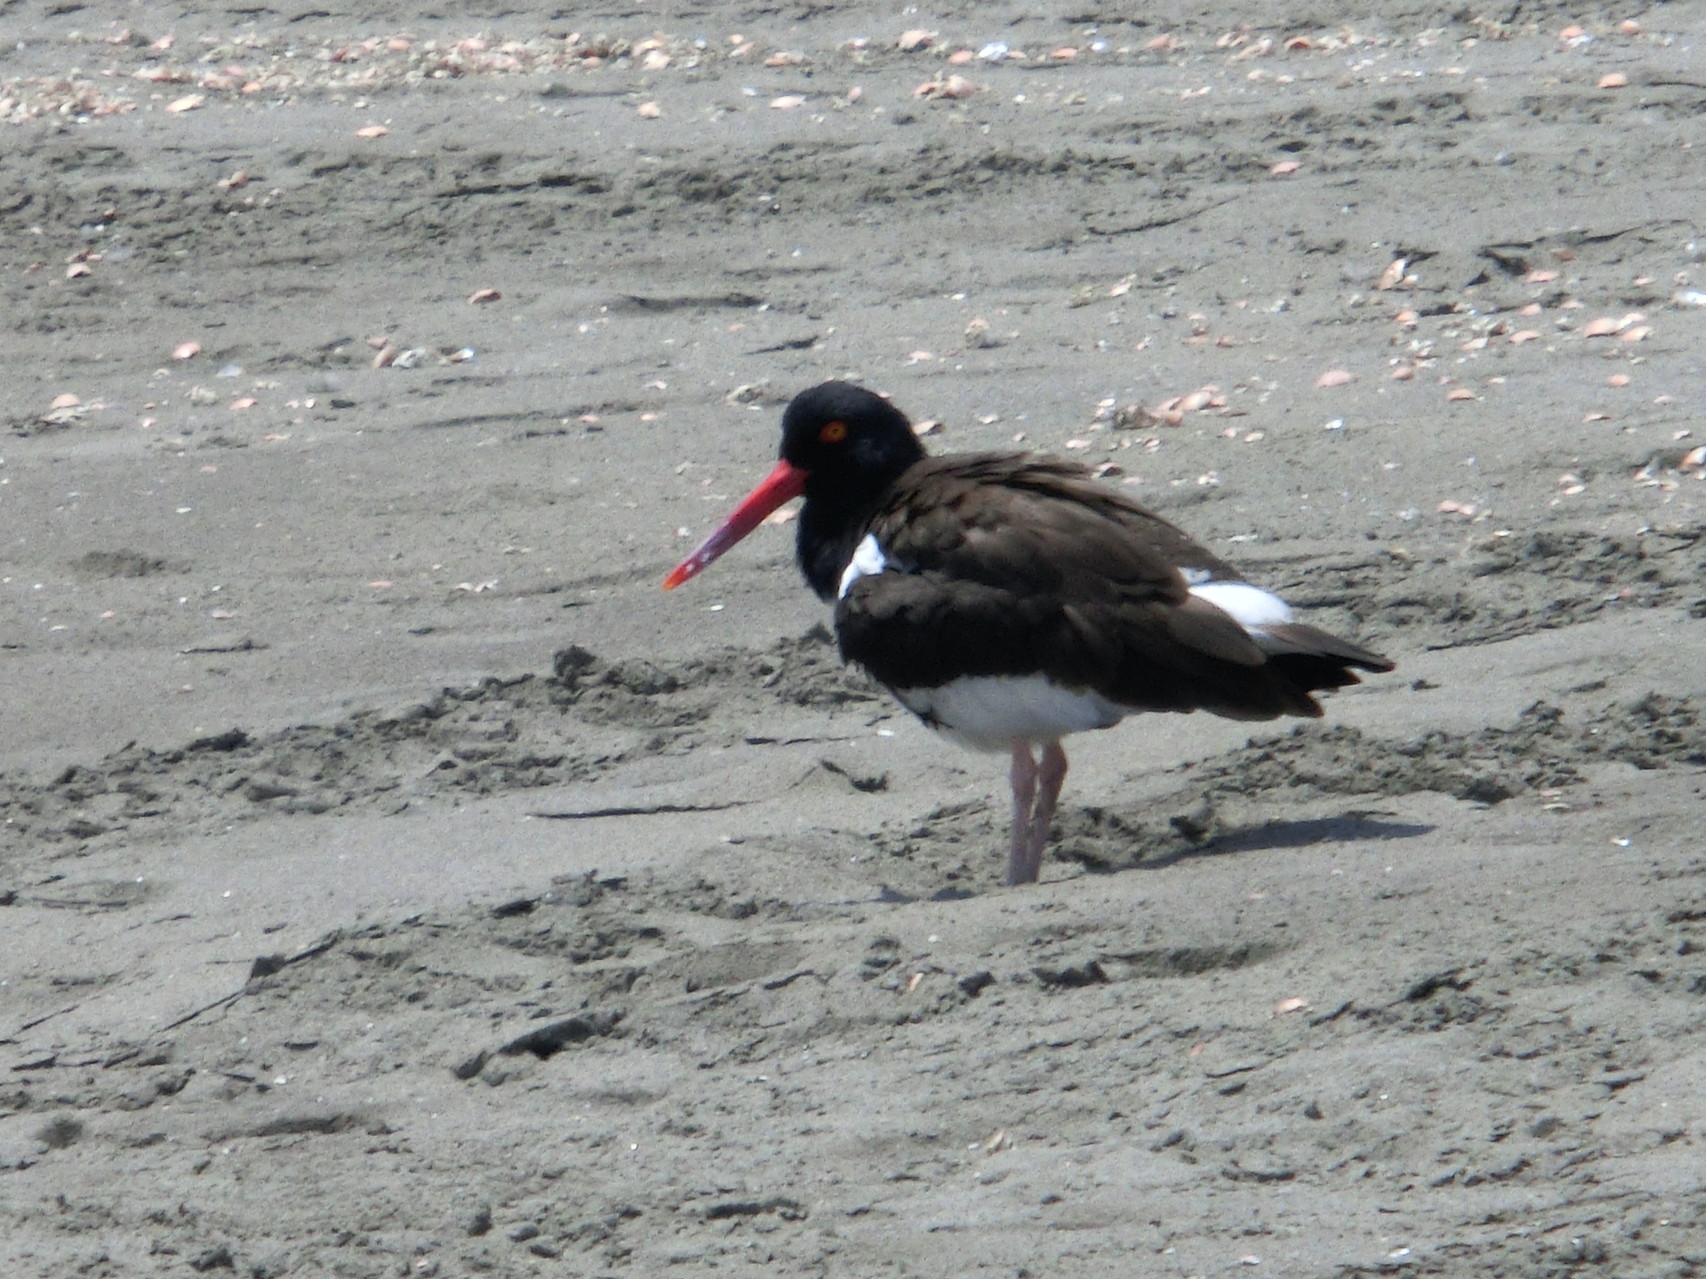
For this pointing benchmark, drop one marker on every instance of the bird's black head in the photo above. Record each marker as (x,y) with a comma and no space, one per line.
(851,445)
(848,440)
(842,447)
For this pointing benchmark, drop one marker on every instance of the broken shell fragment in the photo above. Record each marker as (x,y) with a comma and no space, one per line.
(648,111)
(1393,275)
(186,350)
(479,296)
(1603,327)
(372,131)
(1334,377)
(1614,80)
(954,87)
(65,401)
(1284,167)
(189,103)
(788,102)
(1460,393)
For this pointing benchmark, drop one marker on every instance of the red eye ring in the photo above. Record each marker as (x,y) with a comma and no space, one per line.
(833,432)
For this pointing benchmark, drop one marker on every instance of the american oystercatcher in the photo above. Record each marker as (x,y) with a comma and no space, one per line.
(1008,599)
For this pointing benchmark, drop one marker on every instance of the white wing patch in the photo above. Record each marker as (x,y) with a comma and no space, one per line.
(868,559)
(1252,608)
(1249,606)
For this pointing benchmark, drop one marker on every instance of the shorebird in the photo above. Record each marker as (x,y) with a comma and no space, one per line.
(1009,599)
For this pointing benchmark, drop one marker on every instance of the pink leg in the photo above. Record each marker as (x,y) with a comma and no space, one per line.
(1050,777)
(1020,869)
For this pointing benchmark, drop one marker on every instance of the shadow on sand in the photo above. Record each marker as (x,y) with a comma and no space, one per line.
(1345,828)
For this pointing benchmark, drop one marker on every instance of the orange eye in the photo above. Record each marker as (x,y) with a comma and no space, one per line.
(833,432)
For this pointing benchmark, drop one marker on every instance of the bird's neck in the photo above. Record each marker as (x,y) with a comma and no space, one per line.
(833,520)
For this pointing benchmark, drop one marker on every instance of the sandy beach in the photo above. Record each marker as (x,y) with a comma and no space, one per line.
(395,881)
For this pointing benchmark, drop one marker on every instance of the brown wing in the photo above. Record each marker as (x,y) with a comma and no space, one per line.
(1006,564)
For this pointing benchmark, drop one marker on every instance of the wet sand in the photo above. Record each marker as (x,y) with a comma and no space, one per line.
(395,881)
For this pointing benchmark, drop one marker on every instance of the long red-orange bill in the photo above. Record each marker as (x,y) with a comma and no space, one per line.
(786,481)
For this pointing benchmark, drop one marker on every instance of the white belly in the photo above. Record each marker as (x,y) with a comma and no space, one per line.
(990,712)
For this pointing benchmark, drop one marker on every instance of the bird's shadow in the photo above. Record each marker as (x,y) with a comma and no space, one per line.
(1343,828)
(1106,841)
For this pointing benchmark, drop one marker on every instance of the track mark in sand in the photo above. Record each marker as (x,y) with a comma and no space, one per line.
(704,302)
(312,1125)
(1500,588)
(36,1021)
(1542,749)
(122,563)
(95,896)
(781,1205)
(264,966)
(1158,221)
(590,716)
(1168,962)
(636,810)
(544,1042)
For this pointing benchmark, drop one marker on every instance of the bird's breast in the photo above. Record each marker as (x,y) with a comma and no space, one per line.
(868,560)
